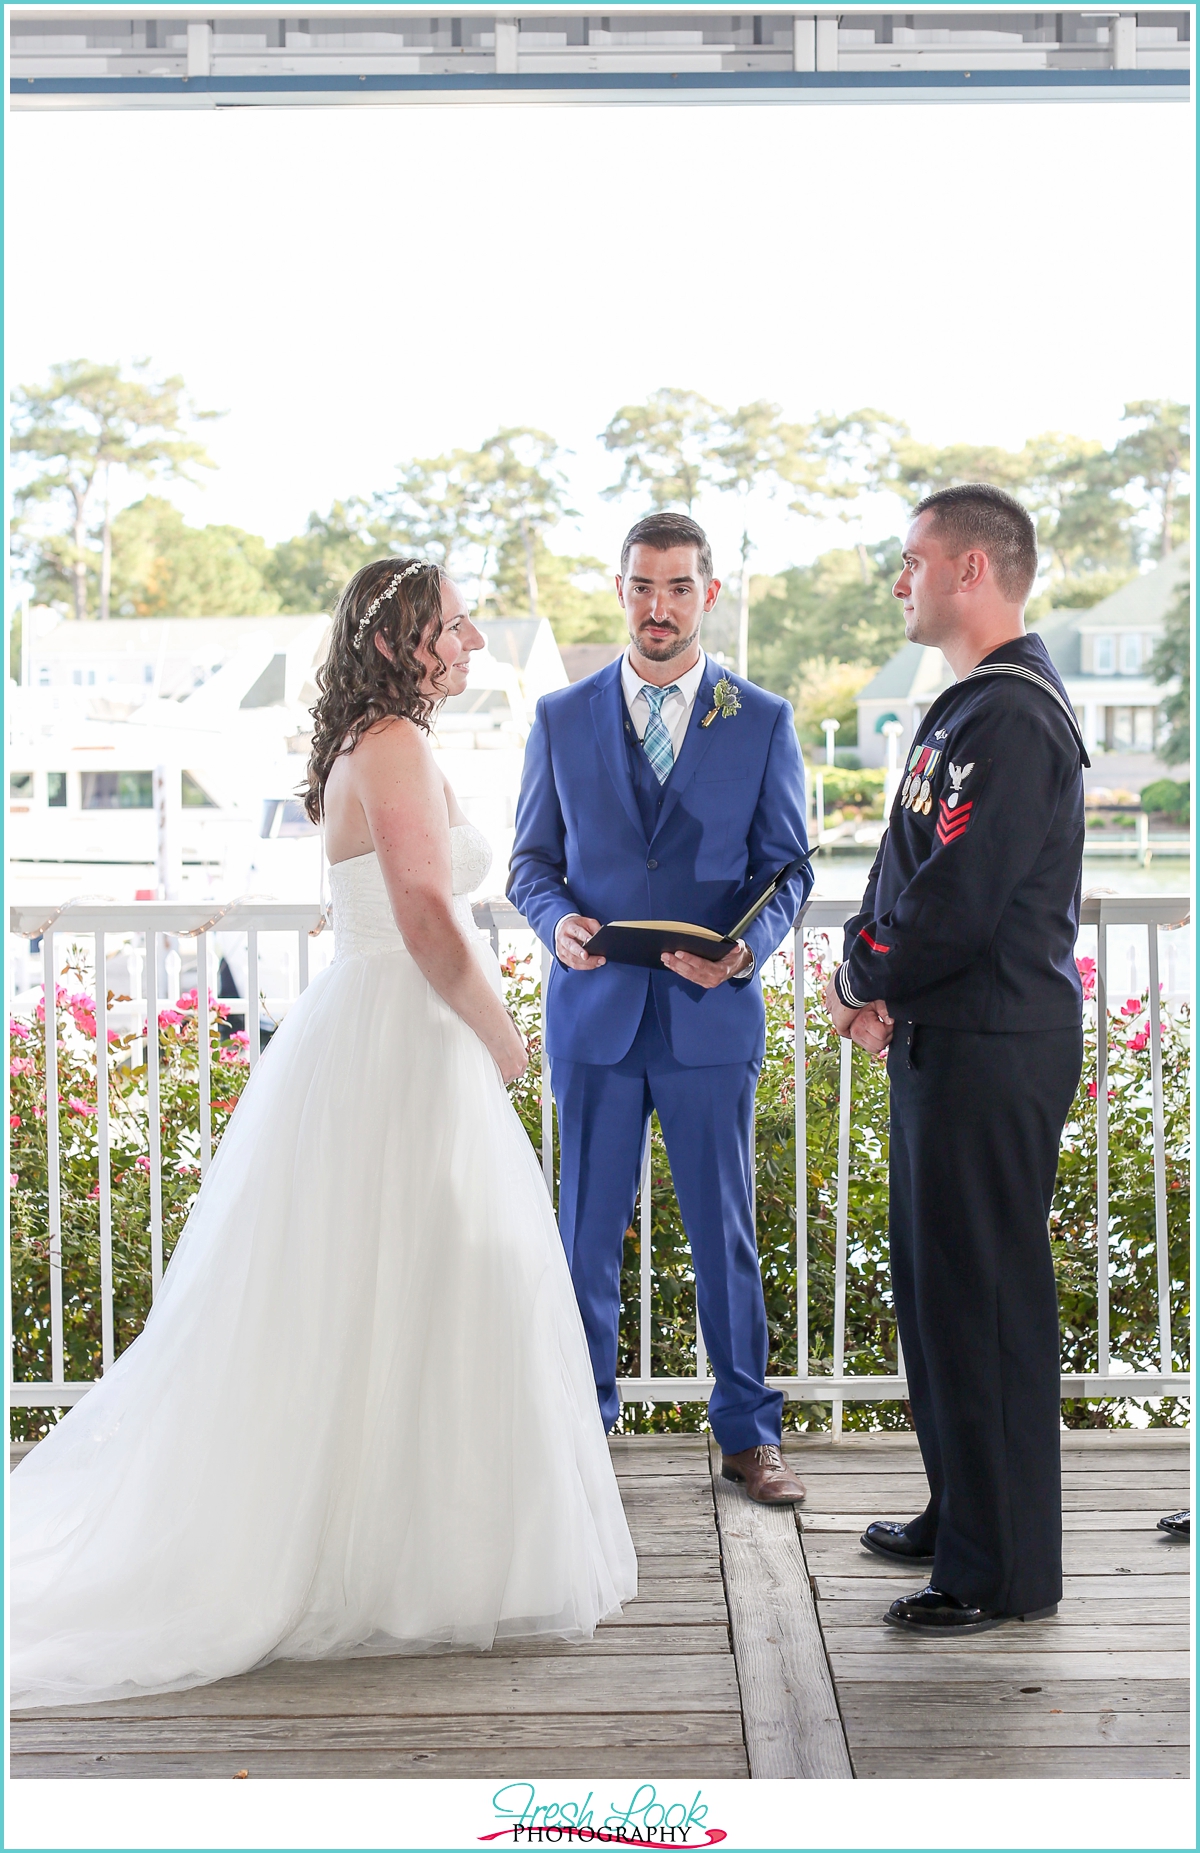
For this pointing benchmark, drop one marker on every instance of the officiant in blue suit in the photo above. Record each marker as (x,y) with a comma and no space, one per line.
(659,789)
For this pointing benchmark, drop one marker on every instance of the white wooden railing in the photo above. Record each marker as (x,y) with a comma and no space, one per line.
(155,931)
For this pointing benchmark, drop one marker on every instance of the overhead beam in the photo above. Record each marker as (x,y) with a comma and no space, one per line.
(208,92)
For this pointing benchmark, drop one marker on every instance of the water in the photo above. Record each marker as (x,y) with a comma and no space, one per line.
(842,875)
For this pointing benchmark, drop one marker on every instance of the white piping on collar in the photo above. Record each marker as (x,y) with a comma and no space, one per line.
(1030,675)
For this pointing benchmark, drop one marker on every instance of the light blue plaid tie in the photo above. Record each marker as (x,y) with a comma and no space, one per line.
(657,739)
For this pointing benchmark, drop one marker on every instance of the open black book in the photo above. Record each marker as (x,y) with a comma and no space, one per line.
(643,942)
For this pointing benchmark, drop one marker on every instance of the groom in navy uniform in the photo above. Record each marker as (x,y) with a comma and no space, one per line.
(646,796)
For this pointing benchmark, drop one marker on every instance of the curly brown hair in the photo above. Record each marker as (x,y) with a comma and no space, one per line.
(359,685)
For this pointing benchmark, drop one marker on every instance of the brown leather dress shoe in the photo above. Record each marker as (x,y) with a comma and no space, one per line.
(766,1475)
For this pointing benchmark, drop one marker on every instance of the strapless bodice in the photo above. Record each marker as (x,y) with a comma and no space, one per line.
(362,913)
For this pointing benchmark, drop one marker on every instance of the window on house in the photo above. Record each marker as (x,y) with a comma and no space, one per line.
(77,677)
(1103,659)
(147,672)
(1131,654)
(56,790)
(43,675)
(20,785)
(117,791)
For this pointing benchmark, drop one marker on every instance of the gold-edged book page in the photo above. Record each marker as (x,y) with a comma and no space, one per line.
(669,926)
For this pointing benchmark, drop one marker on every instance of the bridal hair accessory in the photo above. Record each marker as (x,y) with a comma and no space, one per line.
(414,566)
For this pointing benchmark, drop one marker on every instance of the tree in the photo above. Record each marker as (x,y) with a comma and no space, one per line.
(437,507)
(164,568)
(87,422)
(838,610)
(469,506)
(575,594)
(826,690)
(1173,657)
(1156,457)
(523,492)
(308,572)
(755,449)
(678,444)
(667,447)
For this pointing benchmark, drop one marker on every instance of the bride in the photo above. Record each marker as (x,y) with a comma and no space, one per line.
(361,1417)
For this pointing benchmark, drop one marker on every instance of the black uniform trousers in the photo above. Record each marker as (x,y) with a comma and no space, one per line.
(976,1122)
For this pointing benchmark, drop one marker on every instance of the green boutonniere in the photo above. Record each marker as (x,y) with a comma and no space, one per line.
(726,702)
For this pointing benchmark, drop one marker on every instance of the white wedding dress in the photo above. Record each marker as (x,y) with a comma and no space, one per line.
(361,1417)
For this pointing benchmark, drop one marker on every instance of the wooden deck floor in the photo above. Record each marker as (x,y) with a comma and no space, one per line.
(806,1682)
(1101,1689)
(655,1690)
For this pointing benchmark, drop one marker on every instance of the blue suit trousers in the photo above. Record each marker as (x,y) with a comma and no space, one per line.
(706,1114)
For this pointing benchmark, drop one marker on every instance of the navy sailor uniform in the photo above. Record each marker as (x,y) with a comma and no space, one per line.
(967,931)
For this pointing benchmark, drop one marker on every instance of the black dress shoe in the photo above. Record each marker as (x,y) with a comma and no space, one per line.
(1178,1525)
(888,1539)
(932,1611)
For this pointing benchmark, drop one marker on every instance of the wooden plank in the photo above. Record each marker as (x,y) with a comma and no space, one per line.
(930,1724)
(687,1567)
(1015,1637)
(1034,1666)
(444,1685)
(1006,1696)
(1124,1763)
(681,1641)
(1128,1615)
(484,1730)
(647,1609)
(707,1763)
(1146,1503)
(1145,1522)
(1086,1553)
(788,1706)
(1075,1588)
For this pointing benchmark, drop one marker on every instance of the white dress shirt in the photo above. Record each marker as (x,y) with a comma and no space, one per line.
(676,709)
(676,712)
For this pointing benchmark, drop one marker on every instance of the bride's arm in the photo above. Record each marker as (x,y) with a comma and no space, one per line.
(404,802)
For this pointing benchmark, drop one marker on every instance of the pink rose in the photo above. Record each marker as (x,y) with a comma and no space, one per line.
(143,1164)
(80,1106)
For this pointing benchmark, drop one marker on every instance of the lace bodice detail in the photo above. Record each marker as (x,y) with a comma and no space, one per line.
(362,912)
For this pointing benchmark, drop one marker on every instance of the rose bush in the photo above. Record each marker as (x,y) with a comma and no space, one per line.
(129,1170)
(870,1323)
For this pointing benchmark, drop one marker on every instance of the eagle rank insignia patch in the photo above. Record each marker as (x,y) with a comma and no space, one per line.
(954,811)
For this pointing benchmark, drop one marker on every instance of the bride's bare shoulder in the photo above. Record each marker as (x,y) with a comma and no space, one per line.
(394,750)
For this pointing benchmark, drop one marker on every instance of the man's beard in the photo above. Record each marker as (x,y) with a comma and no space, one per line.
(668,650)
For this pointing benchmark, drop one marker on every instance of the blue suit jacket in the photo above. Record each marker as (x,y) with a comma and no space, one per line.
(733,810)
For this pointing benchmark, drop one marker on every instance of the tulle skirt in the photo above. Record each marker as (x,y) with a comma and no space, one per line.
(361,1417)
